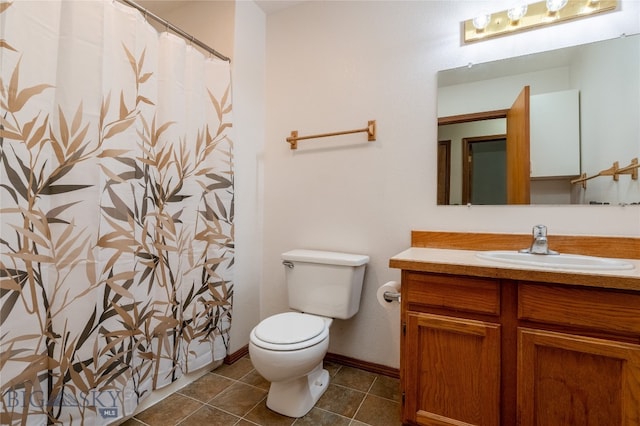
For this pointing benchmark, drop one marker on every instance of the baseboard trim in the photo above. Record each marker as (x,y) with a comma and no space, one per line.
(330,357)
(240,353)
(363,365)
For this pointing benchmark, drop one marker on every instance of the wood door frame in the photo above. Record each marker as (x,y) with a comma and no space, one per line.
(467,118)
(444,173)
(476,116)
(467,167)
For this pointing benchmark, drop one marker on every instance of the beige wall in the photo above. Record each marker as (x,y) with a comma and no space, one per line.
(334,65)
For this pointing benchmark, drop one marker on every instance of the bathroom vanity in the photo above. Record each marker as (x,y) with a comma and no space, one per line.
(489,343)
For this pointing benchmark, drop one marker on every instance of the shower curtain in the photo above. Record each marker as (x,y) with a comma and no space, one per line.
(116,202)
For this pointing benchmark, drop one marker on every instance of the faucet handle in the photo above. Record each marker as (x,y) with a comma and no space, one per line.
(539,231)
(540,244)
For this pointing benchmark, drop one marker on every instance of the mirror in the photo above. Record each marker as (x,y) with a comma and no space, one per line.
(583,106)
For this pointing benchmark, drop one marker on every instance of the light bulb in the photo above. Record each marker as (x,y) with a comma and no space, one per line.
(555,5)
(481,22)
(516,13)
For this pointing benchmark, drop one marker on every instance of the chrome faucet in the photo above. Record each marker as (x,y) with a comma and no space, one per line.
(540,245)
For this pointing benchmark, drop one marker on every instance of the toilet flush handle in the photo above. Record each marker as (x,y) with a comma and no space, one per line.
(287,264)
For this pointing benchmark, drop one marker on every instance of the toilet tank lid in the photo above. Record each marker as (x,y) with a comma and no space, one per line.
(327,257)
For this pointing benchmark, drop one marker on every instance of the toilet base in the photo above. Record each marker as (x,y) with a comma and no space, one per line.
(295,398)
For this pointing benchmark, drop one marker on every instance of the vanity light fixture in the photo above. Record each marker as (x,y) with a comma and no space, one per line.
(529,16)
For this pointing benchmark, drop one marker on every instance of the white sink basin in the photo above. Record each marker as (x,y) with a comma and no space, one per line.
(557,261)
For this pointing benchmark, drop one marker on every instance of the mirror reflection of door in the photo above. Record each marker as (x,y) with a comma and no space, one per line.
(518,164)
(444,172)
(518,153)
(484,170)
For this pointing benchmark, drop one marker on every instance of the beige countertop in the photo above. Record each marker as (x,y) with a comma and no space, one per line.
(465,262)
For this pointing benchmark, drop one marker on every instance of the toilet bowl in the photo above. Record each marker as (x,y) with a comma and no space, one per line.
(287,349)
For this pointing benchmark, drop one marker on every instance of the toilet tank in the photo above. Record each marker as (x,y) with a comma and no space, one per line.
(324,283)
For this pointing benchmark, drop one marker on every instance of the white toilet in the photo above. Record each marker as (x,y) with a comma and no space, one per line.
(287,349)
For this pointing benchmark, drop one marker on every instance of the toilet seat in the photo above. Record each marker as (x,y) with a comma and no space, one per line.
(289,331)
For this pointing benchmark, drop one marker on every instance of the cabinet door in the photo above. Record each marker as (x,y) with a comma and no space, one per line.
(452,371)
(566,379)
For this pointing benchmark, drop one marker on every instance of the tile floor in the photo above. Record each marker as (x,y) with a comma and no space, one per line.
(236,395)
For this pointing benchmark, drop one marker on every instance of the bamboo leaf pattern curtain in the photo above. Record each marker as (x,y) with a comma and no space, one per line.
(116,202)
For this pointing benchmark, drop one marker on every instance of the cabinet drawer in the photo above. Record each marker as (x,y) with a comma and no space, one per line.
(580,307)
(467,294)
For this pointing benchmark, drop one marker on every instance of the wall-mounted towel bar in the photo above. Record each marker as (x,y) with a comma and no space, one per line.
(615,171)
(370,130)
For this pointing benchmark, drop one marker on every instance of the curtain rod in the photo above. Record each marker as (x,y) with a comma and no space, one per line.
(176,30)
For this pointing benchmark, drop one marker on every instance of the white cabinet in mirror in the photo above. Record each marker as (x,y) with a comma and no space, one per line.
(583,115)
(555,134)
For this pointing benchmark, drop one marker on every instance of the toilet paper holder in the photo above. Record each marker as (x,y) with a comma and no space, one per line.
(391,296)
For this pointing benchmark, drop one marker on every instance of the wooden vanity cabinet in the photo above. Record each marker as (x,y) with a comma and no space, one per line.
(450,350)
(489,351)
(578,355)
(455,375)
(566,379)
